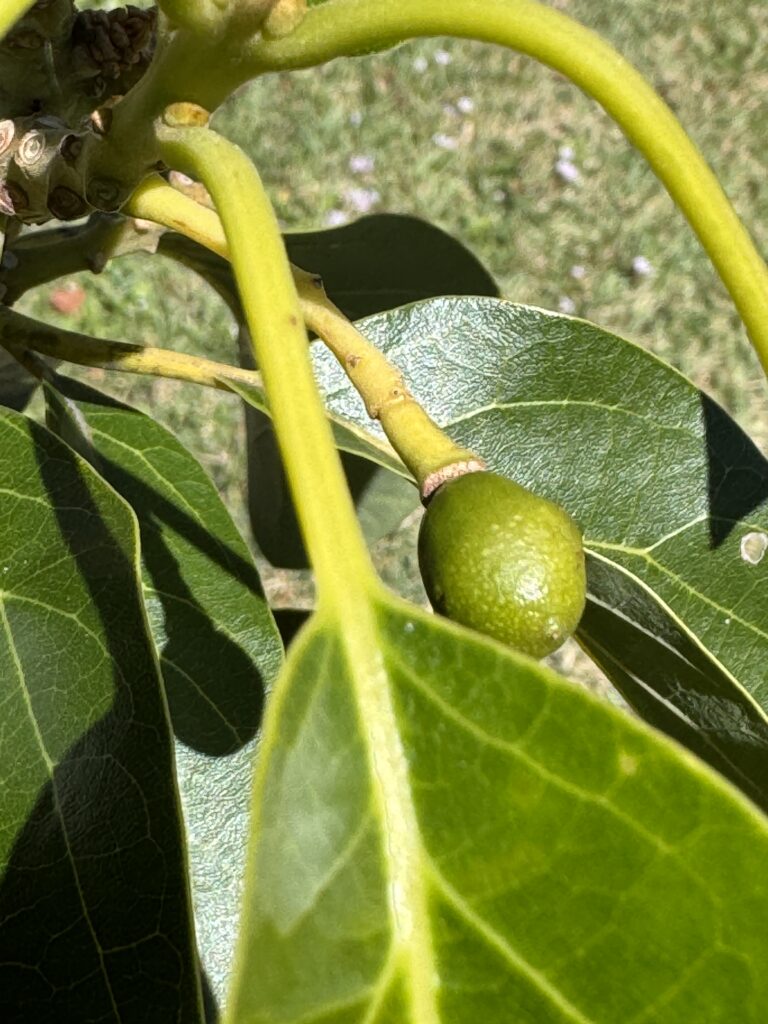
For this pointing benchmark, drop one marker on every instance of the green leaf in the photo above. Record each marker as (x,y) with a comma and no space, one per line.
(666,487)
(670,680)
(447,832)
(94,909)
(387,260)
(218,643)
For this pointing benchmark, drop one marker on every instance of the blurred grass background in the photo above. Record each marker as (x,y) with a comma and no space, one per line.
(515,162)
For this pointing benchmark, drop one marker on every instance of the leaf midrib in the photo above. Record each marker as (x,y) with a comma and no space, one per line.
(50,770)
(362,645)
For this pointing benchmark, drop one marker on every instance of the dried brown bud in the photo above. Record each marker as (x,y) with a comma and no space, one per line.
(65,204)
(108,43)
(13,199)
(70,147)
(104,194)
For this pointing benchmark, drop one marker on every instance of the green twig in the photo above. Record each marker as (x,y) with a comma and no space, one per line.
(424,448)
(350,27)
(325,510)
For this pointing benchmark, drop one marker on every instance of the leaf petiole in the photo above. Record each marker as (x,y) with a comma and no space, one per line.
(326,514)
(352,27)
(422,445)
(20,334)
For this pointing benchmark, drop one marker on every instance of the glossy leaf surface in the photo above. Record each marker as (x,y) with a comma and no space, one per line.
(94,912)
(447,832)
(670,493)
(218,643)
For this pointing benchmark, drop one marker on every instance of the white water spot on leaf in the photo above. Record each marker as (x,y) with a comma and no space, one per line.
(408,627)
(753,547)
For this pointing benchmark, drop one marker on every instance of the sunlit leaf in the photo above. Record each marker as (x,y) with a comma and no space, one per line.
(447,832)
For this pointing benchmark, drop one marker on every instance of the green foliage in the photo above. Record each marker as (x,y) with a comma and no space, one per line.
(94,887)
(544,846)
(663,483)
(403,821)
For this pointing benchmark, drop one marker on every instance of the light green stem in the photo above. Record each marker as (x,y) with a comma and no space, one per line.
(421,444)
(348,27)
(260,264)
(11,11)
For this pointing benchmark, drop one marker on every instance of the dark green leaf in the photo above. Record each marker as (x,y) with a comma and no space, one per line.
(447,832)
(387,260)
(218,643)
(669,491)
(94,912)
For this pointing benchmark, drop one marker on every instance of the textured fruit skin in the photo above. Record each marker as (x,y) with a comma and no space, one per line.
(503,561)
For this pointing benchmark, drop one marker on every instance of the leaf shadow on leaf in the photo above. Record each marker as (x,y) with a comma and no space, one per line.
(670,681)
(737,472)
(207,716)
(16,385)
(93,902)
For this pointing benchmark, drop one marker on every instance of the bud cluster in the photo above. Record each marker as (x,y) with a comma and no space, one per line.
(60,71)
(111,45)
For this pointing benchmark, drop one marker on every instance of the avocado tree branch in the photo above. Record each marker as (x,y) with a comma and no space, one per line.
(352,27)
(425,449)
(42,256)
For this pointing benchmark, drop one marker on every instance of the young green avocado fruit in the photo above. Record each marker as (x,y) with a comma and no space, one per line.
(503,561)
